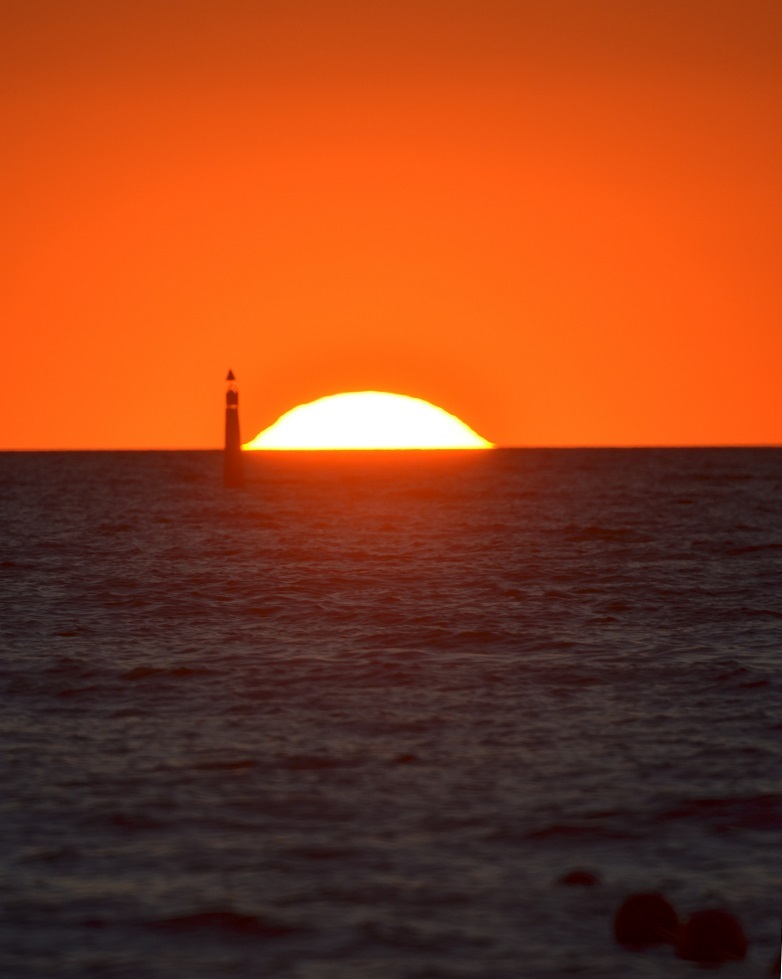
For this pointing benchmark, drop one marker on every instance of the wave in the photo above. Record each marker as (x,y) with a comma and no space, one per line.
(762,813)
(226,922)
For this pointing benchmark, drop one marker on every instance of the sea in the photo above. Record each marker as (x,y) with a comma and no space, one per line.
(360,718)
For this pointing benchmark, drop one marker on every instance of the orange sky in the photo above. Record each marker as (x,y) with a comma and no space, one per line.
(559,221)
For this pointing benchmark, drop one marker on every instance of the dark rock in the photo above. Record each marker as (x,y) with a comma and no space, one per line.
(712,937)
(645,919)
(579,878)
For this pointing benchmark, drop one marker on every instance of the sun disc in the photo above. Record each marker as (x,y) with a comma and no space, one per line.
(368,420)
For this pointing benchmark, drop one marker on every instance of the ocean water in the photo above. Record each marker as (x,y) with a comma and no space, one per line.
(357,720)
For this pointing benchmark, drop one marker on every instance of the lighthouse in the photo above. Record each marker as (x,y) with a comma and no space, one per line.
(233,473)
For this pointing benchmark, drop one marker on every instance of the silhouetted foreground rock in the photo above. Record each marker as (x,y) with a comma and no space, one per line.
(645,919)
(711,937)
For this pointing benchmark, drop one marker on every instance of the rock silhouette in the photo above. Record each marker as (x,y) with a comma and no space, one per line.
(711,937)
(645,919)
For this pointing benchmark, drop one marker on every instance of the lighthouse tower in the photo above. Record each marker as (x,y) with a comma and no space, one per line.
(233,473)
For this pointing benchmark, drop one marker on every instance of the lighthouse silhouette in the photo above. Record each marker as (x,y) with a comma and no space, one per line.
(233,472)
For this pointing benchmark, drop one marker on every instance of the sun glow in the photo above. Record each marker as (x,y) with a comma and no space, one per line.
(368,420)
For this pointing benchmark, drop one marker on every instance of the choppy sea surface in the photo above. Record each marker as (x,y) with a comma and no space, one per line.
(358,719)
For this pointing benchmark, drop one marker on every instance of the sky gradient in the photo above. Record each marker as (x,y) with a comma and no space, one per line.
(559,221)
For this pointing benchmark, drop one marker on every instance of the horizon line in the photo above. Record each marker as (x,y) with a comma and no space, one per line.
(528,446)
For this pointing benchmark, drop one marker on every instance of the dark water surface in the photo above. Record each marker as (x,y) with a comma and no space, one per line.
(356,720)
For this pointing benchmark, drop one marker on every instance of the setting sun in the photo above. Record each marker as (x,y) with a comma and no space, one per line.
(368,420)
